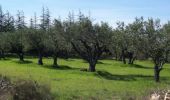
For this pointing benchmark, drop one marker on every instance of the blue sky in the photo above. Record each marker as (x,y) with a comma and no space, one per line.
(110,11)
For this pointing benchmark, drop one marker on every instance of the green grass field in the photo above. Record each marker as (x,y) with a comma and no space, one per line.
(112,79)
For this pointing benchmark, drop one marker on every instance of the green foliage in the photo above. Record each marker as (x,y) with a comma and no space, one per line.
(36,40)
(4,44)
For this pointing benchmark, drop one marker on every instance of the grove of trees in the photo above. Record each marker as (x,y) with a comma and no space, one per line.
(81,37)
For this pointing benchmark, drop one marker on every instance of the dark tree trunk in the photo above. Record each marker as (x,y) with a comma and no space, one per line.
(40,57)
(130,56)
(156,71)
(0,54)
(92,66)
(55,61)
(3,54)
(133,59)
(123,57)
(116,55)
(130,60)
(167,54)
(21,56)
(124,60)
(120,57)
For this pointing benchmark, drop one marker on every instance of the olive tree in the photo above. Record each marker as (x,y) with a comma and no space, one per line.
(57,43)
(6,26)
(166,31)
(155,41)
(37,37)
(134,32)
(120,41)
(89,40)
(4,45)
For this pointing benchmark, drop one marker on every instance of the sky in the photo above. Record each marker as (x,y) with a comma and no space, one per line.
(110,11)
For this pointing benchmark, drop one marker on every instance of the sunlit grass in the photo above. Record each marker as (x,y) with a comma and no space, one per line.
(112,78)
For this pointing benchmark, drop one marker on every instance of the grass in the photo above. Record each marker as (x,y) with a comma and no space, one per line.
(112,80)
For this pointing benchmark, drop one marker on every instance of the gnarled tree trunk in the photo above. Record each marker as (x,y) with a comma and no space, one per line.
(55,61)
(92,67)
(156,72)
(131,58)
(40,57)
(167,56)
(21,56)
(3,54)
(123,57)
(134,58)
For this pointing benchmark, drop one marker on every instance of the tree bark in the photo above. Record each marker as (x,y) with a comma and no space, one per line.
(55,61)
(131,58)
(123,57)
(156,71)
(40,57)
(0,55)
(167,58)
(21,56)
(3,54)
(92,67)
(120,57)
(116,55)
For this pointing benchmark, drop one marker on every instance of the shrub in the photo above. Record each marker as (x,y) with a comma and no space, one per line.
(5,88)
(31,90)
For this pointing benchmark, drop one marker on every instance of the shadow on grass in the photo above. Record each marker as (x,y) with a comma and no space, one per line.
(140,66)
(24,62)
(136,66)
(4,59)
(98,62)
(61,67)
(102,63)
(69,59)
(109,76)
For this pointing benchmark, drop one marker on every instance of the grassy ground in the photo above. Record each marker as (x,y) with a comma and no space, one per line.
(111,81)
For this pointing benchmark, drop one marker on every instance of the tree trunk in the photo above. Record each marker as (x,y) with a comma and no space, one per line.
(0,55)
(120,57)
(92,67)
(55,61)
(130,60)
(116,55)
(21,56)
(40,57)
(133,59)
(3,54)
(124,58)
(156,71)
(167,54)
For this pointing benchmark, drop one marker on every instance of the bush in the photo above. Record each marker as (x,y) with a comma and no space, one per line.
(23,90)
(5,88)
(31,90)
